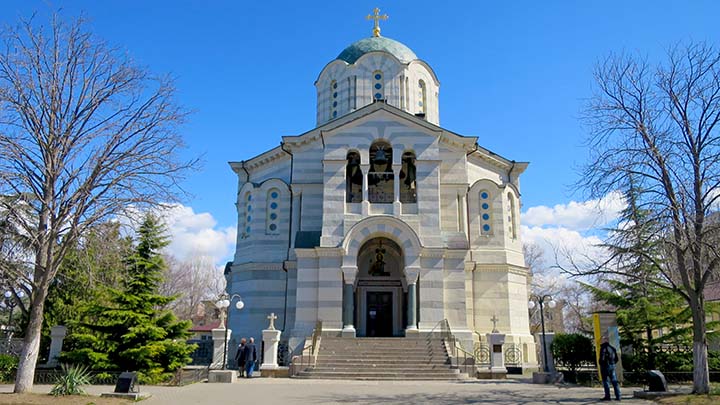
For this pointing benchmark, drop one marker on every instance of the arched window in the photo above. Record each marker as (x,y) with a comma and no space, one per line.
(247,217)
(272,212)
(378,84)
(333,99)
(512,221)
(422,97)
(380,178)
(408,177)
(485,213)
(353,178)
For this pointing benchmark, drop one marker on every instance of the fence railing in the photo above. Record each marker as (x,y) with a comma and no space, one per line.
(308,355)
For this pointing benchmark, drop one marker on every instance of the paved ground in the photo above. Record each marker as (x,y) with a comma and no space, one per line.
(286,391)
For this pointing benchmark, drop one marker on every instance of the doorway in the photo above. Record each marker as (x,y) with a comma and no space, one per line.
(379,314)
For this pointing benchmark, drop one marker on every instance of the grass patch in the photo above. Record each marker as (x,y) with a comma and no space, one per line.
(712,399)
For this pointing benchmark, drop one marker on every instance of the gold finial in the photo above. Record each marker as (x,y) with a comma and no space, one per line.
(377,17)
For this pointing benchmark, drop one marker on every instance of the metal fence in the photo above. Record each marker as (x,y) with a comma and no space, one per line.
(203,354)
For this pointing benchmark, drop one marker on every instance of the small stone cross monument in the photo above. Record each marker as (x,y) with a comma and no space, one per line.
(272,319)
(271,338)
(494,320)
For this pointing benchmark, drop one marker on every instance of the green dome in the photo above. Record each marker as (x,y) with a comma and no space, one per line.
(353,52)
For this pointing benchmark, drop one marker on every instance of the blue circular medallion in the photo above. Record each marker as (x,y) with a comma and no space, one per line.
(486,216)
(334,114)
(249,208)
(273,227)
(274,195)
(335,85)
(273,216)
(486,228)
(378,96)
(485,206)
(378,76)
(378,86)
(484,195)
(273,205)
(247,230)
(335,94)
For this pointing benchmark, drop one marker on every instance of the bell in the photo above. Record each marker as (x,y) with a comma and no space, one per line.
(380,157)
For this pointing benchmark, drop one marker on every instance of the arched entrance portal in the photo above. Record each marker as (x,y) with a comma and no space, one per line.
(381,290)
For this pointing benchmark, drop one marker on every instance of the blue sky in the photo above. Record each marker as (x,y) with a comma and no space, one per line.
(515,74)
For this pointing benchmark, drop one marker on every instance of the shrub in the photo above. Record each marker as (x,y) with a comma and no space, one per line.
(8,367)
(71,381)
(571,351)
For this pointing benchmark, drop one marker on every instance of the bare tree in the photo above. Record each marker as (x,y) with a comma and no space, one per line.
(84,134)
(192,281)
(655,129)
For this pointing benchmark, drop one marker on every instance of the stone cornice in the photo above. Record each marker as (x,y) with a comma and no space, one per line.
(257,266)
(305,253)
(329,251)
(501,268)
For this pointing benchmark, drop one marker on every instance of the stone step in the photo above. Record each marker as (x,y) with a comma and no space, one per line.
(383,361)
(424,369)
(379,376)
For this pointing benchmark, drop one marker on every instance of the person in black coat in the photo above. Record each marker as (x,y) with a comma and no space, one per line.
(608,358)
(250,357)
(240,356)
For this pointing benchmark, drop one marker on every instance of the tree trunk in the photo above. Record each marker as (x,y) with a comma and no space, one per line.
(31,343)
(701,373)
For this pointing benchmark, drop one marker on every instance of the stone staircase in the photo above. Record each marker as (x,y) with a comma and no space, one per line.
(382,359)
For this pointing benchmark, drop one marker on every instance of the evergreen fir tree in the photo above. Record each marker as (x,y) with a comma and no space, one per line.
(132,333)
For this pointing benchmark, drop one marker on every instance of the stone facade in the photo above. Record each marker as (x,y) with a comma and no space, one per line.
(379,222)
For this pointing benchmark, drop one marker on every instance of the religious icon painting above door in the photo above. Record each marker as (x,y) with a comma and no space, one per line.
(379,314)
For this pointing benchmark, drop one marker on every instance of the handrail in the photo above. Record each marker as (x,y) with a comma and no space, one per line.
(314,349)
(459,357)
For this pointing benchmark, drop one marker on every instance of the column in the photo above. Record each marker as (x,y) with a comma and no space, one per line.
(397,207)
(365,202)
(349,273)
(411,277)
(412,306)
(462,212)
(57,334)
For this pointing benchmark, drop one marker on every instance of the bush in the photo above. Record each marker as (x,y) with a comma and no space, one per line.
(71,381)
(571,351)
(8,367)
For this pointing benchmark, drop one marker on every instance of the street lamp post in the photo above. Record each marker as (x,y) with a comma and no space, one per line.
(541,300)
(11,303)
(222,304)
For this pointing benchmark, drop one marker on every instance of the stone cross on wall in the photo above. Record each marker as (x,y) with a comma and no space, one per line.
(494,320)
(272,319)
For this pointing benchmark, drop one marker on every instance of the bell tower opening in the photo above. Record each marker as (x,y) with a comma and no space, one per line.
(381,299)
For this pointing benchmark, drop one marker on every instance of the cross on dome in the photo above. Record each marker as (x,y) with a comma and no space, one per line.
(377,17)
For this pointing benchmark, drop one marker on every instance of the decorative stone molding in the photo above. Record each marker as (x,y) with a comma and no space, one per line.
(437,253)
(412,273)
(305,252)
(257,266)
(329,252)
(385,226)
(349,274)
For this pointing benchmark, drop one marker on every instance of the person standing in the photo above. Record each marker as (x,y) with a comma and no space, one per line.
(250,357)
(608,359)
(240,356)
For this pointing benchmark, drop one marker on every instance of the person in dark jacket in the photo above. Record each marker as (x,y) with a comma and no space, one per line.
(608,359)
(240,356)
(250,357)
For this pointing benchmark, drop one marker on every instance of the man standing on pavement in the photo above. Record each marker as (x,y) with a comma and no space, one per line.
(608,359)
(250,357)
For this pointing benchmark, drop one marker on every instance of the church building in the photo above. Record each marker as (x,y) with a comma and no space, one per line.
(379,222)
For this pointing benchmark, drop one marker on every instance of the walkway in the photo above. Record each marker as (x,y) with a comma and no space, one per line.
(287,391)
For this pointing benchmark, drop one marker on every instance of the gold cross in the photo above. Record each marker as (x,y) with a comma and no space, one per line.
(377,17)
(272,319)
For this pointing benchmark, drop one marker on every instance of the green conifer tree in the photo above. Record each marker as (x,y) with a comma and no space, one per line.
(132,332)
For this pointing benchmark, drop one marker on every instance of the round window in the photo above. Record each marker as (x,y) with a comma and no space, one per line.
(485,206)
(249,208)
(484,195)
(273,205)
(378,86)
(378,76)
(274,195)
(486,227)
(273,227)
(273,216)
(486,217)
(378,96)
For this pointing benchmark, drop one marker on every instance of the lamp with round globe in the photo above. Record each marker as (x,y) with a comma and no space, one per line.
(541,300)
(222,304)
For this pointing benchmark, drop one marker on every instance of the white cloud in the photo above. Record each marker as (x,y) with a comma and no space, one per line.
(565,241)
(579,216)
(197,234)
